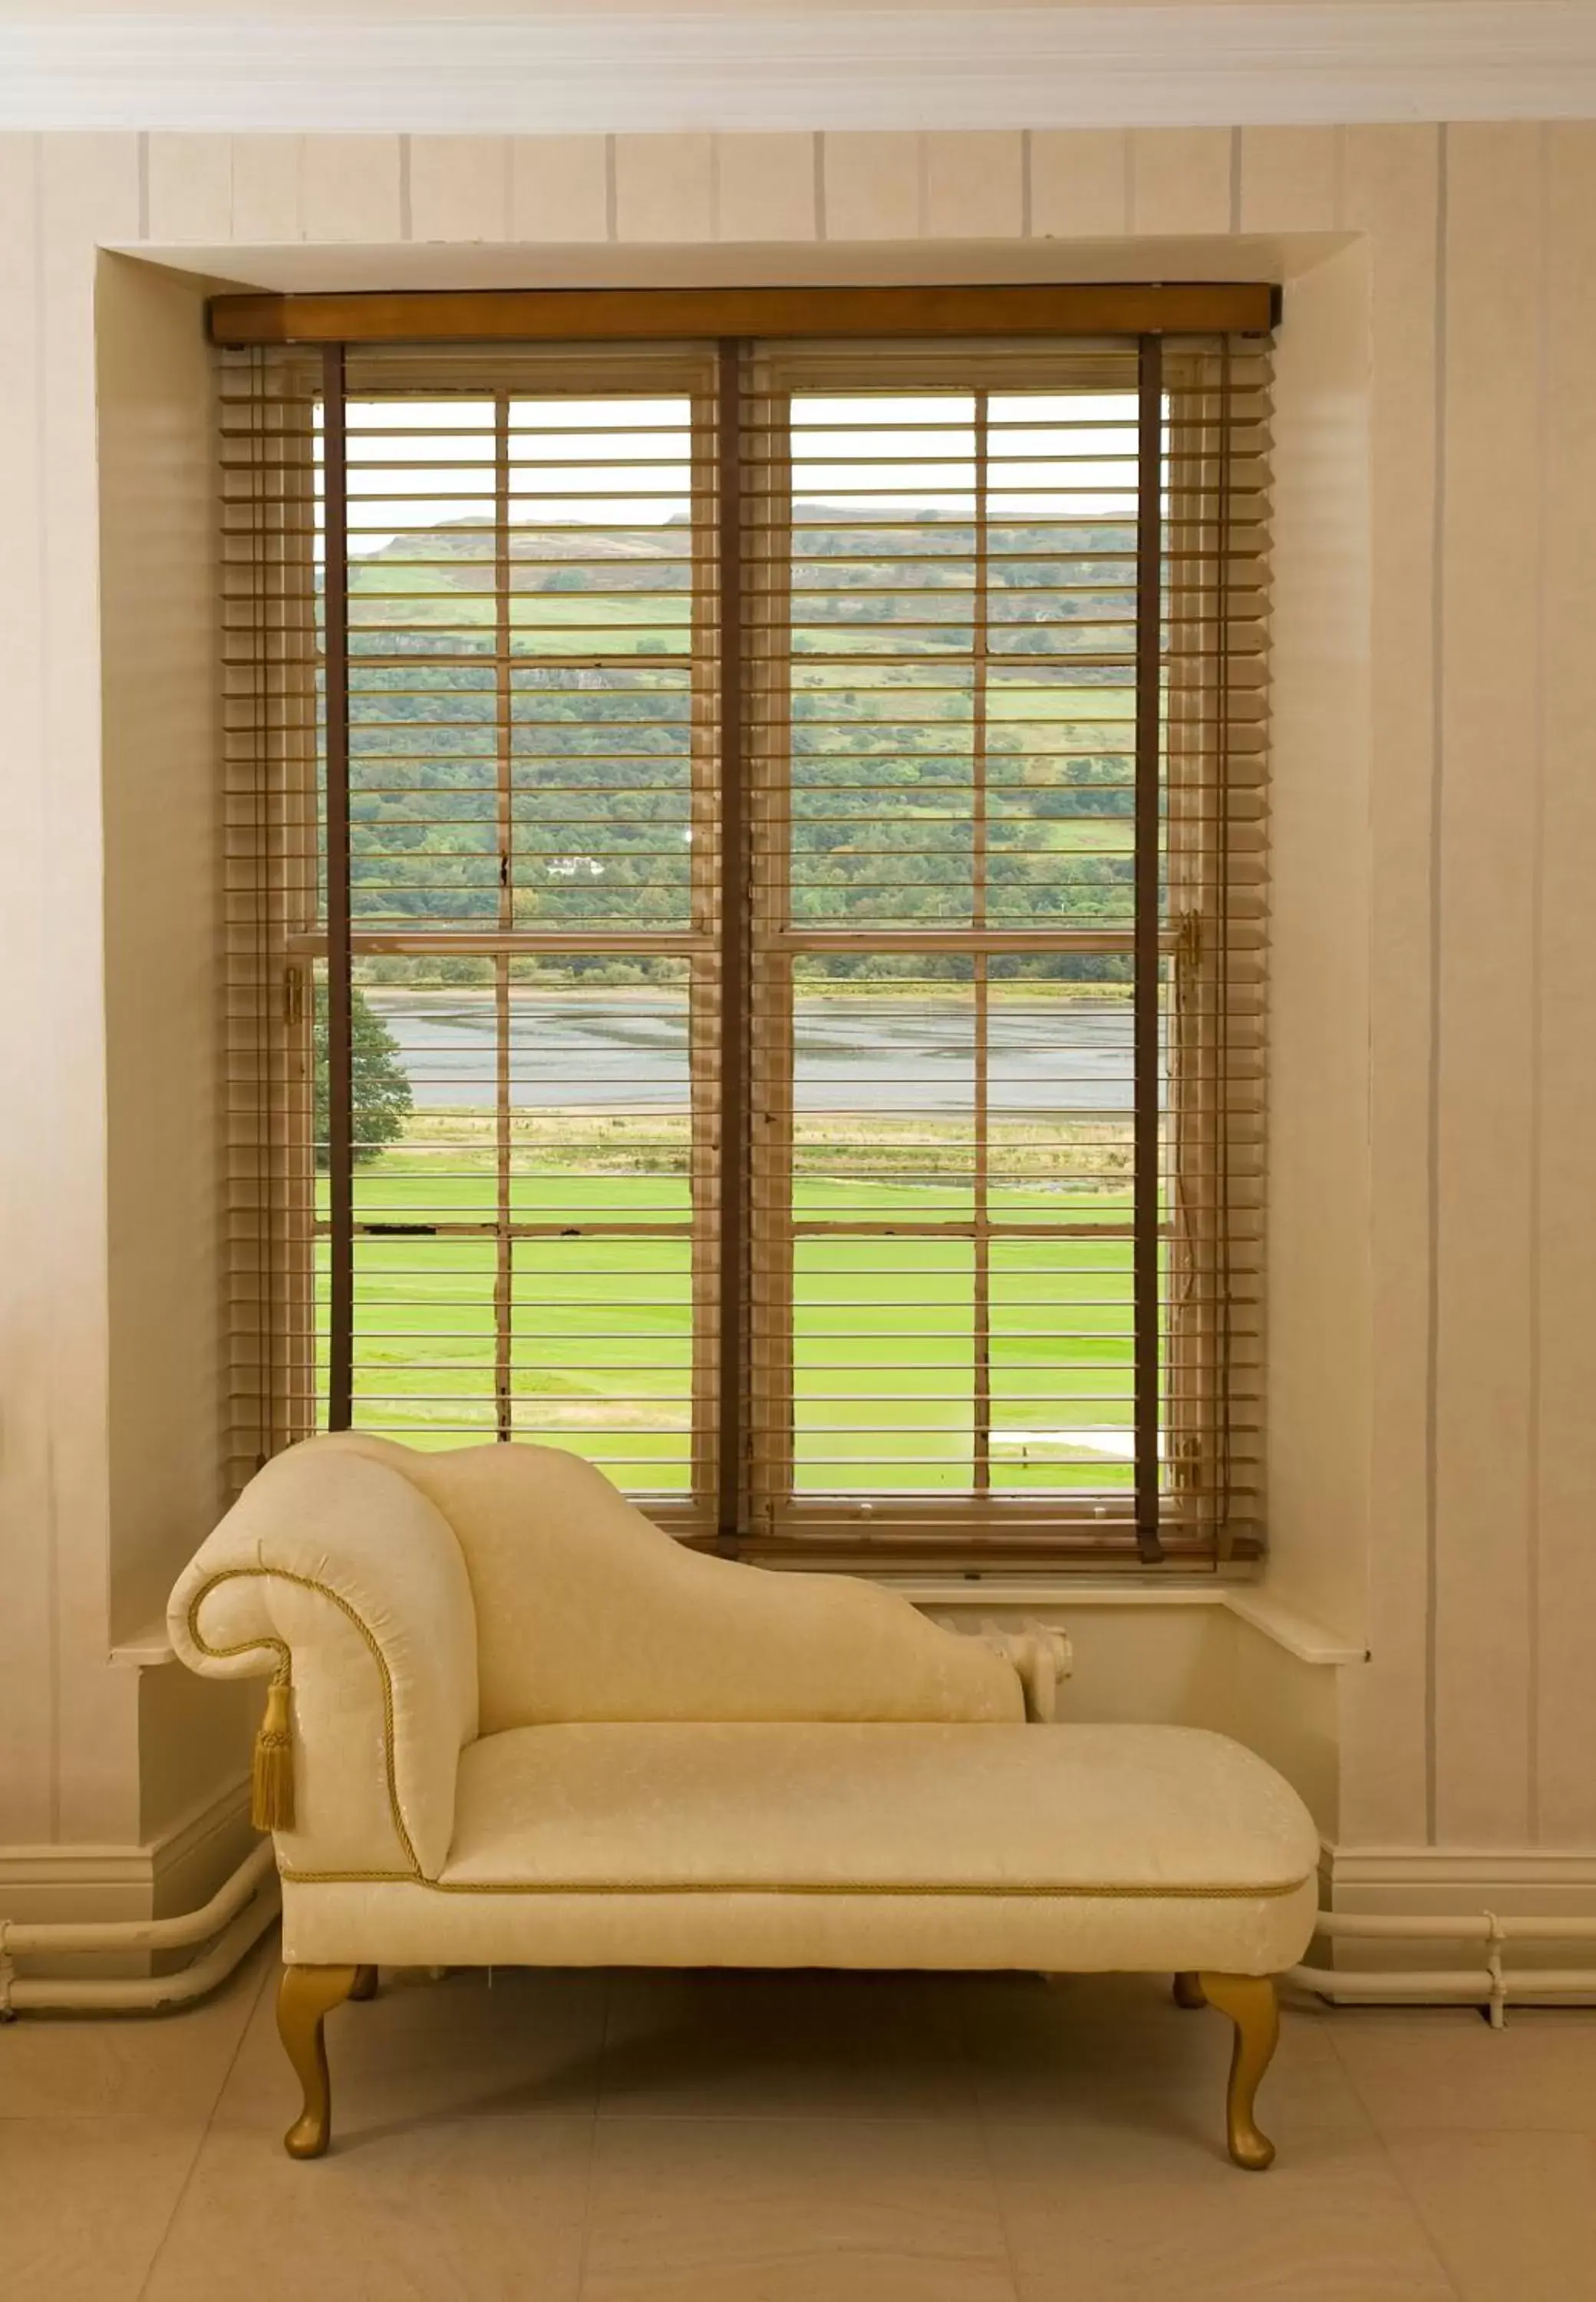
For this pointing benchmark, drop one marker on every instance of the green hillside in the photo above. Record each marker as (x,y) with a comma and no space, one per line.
(882,724)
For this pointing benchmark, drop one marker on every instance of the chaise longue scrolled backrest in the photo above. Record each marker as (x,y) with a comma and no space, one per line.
(512,1722)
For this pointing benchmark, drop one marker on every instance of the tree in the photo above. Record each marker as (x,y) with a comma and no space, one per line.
(380,1089)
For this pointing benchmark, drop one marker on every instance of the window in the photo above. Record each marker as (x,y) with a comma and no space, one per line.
(746,898)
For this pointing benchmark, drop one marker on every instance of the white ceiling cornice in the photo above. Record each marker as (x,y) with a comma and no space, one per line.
(615,68)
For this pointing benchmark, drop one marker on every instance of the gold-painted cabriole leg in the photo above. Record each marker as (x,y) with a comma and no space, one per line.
(1188,1992)
(364,1984)
(1250,2001)
(306,1996)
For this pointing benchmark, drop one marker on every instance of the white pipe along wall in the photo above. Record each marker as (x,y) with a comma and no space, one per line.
(1490,1985)
(236,1917)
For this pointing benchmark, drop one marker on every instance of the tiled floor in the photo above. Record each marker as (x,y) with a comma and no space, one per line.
(632,2137)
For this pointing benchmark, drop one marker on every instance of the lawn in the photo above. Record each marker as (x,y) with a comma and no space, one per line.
(883,1327)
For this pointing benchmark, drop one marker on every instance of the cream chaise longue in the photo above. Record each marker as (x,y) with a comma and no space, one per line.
(513,1723)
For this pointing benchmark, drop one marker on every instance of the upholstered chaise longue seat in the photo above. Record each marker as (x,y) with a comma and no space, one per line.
(514,1723)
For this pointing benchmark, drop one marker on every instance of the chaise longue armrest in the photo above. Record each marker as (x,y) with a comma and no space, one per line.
(337,1577)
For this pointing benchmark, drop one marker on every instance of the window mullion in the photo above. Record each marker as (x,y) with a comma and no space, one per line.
(768,585)
(1145,1123)
(732,1444)
(341,1153)
(504,1259)
(983,1246)
(981,1464)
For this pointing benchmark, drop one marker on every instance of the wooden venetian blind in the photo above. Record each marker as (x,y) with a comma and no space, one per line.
(747,894)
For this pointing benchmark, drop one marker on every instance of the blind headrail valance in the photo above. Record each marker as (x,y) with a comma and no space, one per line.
(634,315)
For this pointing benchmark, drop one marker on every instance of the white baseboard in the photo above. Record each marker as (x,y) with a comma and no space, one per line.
(179,1870)
(1433,1880)
(1420,1882)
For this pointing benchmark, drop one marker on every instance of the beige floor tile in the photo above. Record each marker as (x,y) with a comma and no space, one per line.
(84,2201)
(169,2065)
(1442,2066)
(1100,2214)
(456,2210)
(527,2044)
(779,2137)
(1114,2050)
(792,2210)
(775,2046)
(1513,2216)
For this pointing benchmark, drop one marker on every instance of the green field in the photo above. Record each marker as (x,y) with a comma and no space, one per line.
(883,1327)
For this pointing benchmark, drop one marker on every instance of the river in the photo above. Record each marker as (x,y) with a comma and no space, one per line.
(628,1052)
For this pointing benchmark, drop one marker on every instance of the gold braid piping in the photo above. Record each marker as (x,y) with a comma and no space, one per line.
(415,1875)
(973,1890)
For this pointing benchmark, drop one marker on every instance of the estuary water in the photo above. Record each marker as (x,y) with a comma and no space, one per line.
(627,1051)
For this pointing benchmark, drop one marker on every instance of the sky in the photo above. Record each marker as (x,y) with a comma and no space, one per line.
(427,462)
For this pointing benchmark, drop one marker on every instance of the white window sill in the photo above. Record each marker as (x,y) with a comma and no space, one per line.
(1062,1595)
(146,1648)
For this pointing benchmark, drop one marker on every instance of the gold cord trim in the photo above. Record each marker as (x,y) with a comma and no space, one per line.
(272,1772)
(415,1875)
(972,1890)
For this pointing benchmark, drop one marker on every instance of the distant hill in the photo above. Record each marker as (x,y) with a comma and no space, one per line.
(657,560)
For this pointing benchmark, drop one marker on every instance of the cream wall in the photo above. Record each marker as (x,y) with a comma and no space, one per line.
(1322,632)
(161,903)
(165,1168)
(1432,1330)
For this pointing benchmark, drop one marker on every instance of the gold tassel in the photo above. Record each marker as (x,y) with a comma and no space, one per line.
(272,1782)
